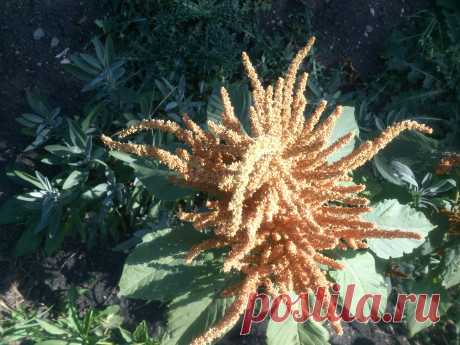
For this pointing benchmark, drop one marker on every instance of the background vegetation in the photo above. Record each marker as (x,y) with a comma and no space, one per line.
(164,58)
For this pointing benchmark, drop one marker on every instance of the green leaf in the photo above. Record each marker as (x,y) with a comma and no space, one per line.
(29,178)
(92,61)
(156,181)
(75,178)
(109,52)
(95,192)
(36,103)
(126,335)
(141,333)
(99,48)
(241,101)
(345,124)
(50,328)
(77,72)
(33,118)
(154,178)
(125,157)
(28,242)
(12,211)
(290,332)
(360,270)
(83,65)
(59,150)
(383,166)
(54,241)
(86,123)
(58,342)
(76,135)
(451,270)
(194,312)
(425,286)
(389,214)
(156,269)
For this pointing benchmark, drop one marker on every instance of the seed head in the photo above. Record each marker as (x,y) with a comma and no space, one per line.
(279,203)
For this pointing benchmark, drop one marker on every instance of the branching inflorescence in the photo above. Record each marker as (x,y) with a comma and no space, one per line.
(279,202)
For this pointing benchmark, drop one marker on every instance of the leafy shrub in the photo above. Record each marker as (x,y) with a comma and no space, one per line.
(94,327)
(203,39)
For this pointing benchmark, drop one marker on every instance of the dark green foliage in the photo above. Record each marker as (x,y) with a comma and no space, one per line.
(93,327)
(421,79)
(204,39)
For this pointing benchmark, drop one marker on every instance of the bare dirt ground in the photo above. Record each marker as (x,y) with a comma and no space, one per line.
(34,32)
(354,31)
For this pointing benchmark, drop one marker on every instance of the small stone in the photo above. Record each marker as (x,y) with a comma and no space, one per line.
(372,11)
(369,28)
(54,42)
(39,34)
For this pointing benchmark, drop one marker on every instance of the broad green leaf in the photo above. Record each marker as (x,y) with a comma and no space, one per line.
(425,286)
(389,214)
(194,312)
(156,181)
(345,124)
(154,178)
(360,270)
(156,269)
(290,332)
(451,269)
(241,101)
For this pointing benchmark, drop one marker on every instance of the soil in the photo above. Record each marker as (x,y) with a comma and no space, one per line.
(34,32)
(353,31)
